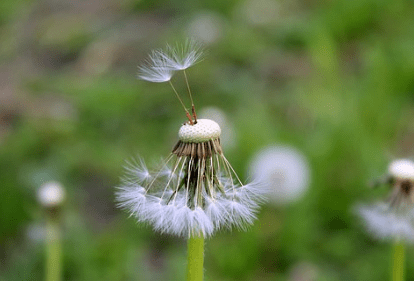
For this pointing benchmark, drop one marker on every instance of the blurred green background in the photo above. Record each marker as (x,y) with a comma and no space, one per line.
(335,79)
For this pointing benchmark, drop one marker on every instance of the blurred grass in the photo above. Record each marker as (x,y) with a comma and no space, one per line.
(333,78)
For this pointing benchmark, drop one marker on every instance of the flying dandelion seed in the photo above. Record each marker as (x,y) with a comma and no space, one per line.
(196,191)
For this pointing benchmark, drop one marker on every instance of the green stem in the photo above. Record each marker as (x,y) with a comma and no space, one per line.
(53,251)
(195,258)
(398,261)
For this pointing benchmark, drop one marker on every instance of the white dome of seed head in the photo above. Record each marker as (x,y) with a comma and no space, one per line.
(204,130)
(402,169)
(51,194)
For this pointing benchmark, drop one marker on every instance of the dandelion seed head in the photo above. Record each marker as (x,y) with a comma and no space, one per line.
(51,194)
(393,219)
(195,192)
(402,169)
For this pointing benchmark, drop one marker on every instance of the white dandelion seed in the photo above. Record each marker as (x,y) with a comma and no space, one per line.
(283,170)
(161,65)
(156,68)
(196,192)
(181,57)
(136,170)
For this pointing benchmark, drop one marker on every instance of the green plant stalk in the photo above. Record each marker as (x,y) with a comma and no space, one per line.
(195,258)
(53,250)
(398,261)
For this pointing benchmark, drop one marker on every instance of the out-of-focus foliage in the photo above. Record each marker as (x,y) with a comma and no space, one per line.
(332,78)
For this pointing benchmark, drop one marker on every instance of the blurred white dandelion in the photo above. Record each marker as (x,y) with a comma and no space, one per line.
(208,27)
(385,223)
(283,170)
(51,194)
(195,191)
(303,271)
(260,12)
(36,232)
(394,218)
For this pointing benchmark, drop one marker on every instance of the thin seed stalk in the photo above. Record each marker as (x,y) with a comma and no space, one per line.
(398,261)
(53,250)
(195,258)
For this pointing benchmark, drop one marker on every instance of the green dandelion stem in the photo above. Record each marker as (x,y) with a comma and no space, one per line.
(398,261)
(53,251)
(195,258)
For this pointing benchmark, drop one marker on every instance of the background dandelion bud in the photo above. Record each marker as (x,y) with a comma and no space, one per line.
(283,170)
(51,194)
